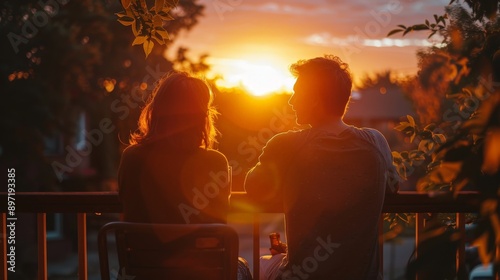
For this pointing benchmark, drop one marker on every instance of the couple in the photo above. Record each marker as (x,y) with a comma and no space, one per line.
(330,178)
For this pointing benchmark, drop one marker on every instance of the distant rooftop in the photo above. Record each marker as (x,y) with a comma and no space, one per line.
(375,103)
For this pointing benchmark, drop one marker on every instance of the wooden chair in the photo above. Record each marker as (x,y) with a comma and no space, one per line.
(171,251)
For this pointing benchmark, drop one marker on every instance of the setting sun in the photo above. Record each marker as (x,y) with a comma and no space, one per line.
(257,77)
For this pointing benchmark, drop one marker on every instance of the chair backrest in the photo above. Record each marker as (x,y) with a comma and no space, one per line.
(171,251)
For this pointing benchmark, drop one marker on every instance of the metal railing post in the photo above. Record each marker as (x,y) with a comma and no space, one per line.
(256,246)
(419,228)
(42,245)
(460,262)
(82,246)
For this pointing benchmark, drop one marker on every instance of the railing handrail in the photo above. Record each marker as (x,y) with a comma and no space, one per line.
(109,202)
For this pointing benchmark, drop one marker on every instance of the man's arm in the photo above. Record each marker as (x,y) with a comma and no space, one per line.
(264,181)
(392,176)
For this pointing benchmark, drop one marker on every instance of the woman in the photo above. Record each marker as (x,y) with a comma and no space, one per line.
(169,173)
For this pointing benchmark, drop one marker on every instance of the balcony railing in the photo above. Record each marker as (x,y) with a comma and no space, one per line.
(82,203)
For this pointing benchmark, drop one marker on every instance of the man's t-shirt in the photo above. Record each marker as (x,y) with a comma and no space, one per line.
(332,189)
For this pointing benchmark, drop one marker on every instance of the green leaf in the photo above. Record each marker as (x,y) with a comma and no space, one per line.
(396,157)
(166,9)
(159,5)
(402,126)
(165,16)
(148,46)
(130,11)
(430,127)
(163,33)
(139,40)
(433,165)
(394,31)
(409,29)
(402,26)
(172,3)
(158,38)
(467,92)
(420,27)
(426,146)
(125,3)
(412,137)
(136,28)
(417,155)
(427,22)
(411,120)
(405,155)
(157,21)
(456,95)
(126,20)
(439,138)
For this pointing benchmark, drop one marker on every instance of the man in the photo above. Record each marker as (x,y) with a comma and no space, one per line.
(330,178)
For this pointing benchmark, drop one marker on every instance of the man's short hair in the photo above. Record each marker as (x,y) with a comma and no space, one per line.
(329,77)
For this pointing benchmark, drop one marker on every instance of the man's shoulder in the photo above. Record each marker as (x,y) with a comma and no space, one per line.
(288,138)
(369,134)
(290,134)
(283,143)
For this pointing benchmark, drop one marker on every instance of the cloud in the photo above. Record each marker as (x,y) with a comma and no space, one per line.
(287,8)
(328,40)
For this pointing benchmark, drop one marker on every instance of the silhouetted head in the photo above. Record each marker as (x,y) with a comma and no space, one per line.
(322,89)
(178,111)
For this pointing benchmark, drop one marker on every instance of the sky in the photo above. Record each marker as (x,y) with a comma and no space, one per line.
(252,43)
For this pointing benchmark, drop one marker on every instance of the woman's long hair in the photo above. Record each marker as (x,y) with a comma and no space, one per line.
(179,111)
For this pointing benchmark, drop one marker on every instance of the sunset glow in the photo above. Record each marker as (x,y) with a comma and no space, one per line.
(252,43)
(258,77)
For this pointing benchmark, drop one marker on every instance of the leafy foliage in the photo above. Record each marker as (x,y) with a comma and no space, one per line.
(80,60)
(439,25)
(147,23)
(461,148)
(183,62)
(428,138)
(452,71)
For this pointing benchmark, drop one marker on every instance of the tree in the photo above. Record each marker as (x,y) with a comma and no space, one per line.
(63,58)
(464,68)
